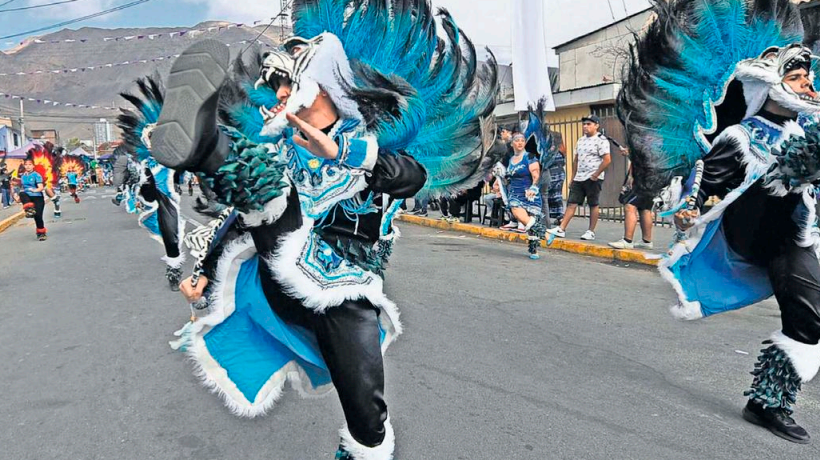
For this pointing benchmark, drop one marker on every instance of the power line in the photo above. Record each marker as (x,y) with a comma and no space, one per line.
(611,11)
(282,9)
(6,3)
(72,21)
(32,7)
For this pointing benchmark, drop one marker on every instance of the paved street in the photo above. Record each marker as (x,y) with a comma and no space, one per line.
(502,358)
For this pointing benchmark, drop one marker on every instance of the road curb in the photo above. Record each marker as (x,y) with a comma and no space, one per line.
(575,247)
(9,221)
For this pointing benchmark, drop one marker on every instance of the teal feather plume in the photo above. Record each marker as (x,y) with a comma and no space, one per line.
(681,69)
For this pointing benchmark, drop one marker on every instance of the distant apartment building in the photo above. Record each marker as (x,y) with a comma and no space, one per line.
(103,132)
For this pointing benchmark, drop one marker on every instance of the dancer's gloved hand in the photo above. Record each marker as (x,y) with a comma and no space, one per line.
(193,293)
(317,142)
(685,219)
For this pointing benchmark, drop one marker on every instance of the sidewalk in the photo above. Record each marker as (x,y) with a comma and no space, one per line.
(10,216)
(606,231)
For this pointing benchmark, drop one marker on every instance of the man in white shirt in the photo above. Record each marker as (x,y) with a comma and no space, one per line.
(591,159)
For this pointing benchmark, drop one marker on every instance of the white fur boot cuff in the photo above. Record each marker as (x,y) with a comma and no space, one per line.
(384,451)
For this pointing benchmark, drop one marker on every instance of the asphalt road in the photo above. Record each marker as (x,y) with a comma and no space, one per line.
(502,358)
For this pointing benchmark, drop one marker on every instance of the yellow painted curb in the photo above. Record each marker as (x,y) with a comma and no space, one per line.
(576,247)
(9,221)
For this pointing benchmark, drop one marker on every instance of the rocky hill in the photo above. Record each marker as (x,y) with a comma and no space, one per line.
(100,86)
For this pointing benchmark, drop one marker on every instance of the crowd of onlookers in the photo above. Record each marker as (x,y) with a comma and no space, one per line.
(530,181)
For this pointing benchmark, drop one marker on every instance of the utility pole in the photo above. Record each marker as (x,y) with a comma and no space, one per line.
(94,139)
(22,125)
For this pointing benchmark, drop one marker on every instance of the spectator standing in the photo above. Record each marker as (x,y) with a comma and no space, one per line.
(5,186)
(636,207)
(592,157)
(420,206)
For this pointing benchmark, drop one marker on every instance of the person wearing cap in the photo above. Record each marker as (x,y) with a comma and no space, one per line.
(592,157)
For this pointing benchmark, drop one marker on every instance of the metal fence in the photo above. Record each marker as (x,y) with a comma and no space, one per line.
(571,131)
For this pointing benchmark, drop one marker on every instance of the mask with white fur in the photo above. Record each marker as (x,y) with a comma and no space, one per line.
(762,79)
(310,66)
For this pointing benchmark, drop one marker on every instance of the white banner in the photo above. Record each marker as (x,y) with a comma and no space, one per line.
(529,55)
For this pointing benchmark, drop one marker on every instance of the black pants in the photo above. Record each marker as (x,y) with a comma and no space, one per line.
(39,205)
(348,337)
(760,228)
(167,216)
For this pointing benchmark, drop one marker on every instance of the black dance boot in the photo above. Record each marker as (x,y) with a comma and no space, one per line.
(774,391)
(174,276)
(187,136)
(778,421)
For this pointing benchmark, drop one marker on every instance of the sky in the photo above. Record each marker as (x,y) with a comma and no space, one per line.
(487,22)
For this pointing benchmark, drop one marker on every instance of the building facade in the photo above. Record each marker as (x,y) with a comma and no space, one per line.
(10,137)
(46,135)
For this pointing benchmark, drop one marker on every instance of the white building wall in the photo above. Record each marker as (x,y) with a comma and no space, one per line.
(598,58)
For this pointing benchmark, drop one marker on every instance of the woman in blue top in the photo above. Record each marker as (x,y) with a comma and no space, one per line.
(31,195)
(523,173)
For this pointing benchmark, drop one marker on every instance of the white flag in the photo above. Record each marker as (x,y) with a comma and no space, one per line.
(529,64)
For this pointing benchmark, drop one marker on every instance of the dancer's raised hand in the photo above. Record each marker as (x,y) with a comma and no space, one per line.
(315,141)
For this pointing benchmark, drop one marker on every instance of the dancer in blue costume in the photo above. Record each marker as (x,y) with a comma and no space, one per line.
(156,188)
(126,180)
(532,156)
(319,144)
(727,88)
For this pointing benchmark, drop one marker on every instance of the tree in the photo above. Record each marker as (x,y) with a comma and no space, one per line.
(73,144)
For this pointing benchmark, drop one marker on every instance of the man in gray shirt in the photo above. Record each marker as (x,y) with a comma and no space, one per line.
(591,159)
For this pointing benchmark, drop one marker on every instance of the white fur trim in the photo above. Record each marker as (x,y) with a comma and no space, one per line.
(756,94)
(383,451)
(684,309)
(791,128)
(212,375)
(272,211)
(174,262)
(330,69)
(807,237)
(804,357)
(785,97)
(319,297)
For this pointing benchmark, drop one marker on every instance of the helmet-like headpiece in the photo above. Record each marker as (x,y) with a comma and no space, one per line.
(762,78)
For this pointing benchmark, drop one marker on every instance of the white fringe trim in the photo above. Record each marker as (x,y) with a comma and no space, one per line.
(804,357)
(272,211)
(383,451)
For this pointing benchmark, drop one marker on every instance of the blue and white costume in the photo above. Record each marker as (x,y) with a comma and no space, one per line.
(744,115)
(144,180)
(295,263)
